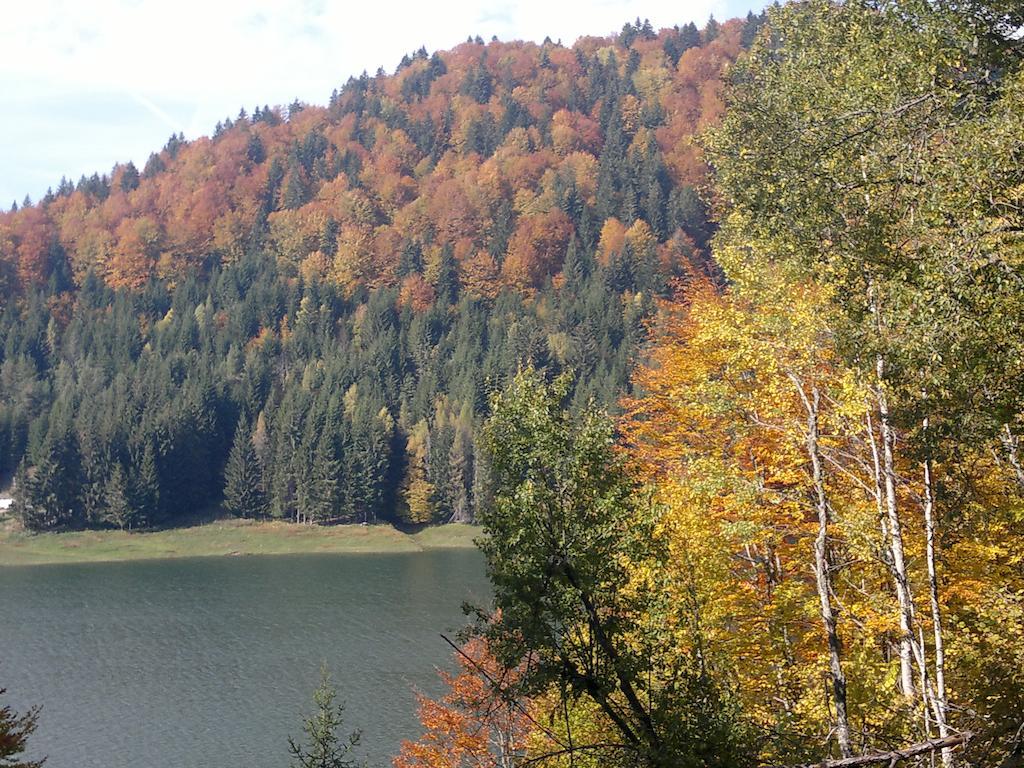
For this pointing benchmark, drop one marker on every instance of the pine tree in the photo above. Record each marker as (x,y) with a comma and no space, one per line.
(447,286)
(325,495)
(573,268)
(153,166)
(459,459)
(118,507)
(145,485)
(324,747)
(95,470)
(28,506)
(243,480)
(129,177)
(296,191)
(50,483)
(439,470)
(261,440)
(282,483)
(711,30)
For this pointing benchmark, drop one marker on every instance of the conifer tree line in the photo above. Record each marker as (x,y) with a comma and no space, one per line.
(148,406)
(302,317)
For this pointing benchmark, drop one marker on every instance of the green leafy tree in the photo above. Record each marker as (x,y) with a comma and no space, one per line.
(324,746)
(574,561)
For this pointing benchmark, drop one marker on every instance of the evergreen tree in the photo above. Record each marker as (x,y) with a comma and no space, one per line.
(447,287)
(52,484)
(118,507)
(296,189)
(145,486)
(129,177)
(461,475)
(153,166)
(325,490)
(254,150)
(324,746)
(711,30)
(28,506)
(243,481)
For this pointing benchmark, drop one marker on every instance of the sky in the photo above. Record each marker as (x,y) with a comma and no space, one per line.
(85,84)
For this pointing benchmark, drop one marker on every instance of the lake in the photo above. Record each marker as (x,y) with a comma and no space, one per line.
(211,662)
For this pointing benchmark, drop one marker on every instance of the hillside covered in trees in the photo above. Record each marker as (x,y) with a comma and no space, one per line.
(304,313)
(751,494)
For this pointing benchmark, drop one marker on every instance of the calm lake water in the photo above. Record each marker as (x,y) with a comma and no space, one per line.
(210,662)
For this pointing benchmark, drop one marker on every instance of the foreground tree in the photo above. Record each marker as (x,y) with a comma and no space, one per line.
(574,558)
(473,725)
(741,418)
(14,732)
(872,149)
(324,747)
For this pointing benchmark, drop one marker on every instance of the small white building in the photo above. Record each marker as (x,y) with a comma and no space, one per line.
(5,504)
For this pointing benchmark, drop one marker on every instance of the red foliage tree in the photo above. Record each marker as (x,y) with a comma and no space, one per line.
(472,725)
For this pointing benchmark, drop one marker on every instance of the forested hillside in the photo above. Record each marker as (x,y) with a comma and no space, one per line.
(305,312)
(751,494)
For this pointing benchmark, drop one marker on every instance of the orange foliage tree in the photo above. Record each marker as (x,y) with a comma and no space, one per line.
(472,725)
(536,249)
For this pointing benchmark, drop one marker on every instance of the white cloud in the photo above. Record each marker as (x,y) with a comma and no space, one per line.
(85,84)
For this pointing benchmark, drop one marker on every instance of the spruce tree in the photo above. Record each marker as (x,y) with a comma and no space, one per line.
(459,461)
(243,478)
(28,507)
(325,489)
(447,286)
(129,177)
(118,508)
(324,747)
(145,486)
(296,191)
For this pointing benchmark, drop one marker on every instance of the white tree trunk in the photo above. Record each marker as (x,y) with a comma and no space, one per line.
(939,697)
(1011,443)
(904,599)
(823,571)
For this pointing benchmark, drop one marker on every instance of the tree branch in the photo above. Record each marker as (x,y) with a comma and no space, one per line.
(893,757)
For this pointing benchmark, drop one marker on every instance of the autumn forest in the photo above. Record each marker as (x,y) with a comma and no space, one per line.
(338,289)
(717,335)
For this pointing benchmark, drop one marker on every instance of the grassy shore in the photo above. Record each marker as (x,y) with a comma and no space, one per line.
(223,538)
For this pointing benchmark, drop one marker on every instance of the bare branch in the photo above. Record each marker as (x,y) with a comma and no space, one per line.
(892,757)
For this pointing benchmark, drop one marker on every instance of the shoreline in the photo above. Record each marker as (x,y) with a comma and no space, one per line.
(225,538)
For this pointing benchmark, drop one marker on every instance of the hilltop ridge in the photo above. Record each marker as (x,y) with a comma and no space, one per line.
(501,151)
